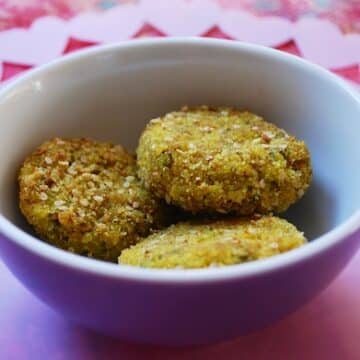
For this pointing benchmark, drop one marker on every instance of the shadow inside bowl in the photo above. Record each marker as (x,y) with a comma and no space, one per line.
(315,213)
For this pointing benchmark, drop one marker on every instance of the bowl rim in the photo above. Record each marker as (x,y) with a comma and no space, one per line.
(100,268)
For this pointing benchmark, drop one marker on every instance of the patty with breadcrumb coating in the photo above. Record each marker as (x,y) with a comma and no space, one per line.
(84,196)
(222,160)
(204,243)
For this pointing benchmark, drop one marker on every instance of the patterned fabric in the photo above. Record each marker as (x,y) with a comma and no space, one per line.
(346,13)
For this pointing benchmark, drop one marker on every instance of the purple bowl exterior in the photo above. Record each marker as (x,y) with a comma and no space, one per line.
(176,313)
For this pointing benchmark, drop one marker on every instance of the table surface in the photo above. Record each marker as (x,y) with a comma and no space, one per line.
(327,328)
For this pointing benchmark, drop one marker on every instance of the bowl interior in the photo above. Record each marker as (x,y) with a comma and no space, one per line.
(110,94)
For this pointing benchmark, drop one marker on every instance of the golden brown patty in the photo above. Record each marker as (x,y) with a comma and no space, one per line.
(222,160)
(84,196)
(202,243)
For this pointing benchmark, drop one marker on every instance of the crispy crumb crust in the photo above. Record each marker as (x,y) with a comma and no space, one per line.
(204,243)
(84,196)
(222,160)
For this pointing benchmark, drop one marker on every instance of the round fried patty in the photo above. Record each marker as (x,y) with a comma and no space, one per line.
(222,160)
(84,196)
(204,243)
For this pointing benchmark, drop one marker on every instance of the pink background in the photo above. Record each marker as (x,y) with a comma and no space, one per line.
(327,328)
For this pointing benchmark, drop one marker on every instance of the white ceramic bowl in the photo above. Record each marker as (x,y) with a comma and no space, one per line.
(109,93)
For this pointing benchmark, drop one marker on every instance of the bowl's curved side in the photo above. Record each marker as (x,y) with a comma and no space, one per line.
(175,307)
(177,313)
(279,86)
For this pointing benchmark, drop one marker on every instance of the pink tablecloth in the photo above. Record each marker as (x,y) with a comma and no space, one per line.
(327,328)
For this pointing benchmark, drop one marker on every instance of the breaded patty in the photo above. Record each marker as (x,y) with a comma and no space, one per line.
(204,243)
(223,160)
(84,196)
